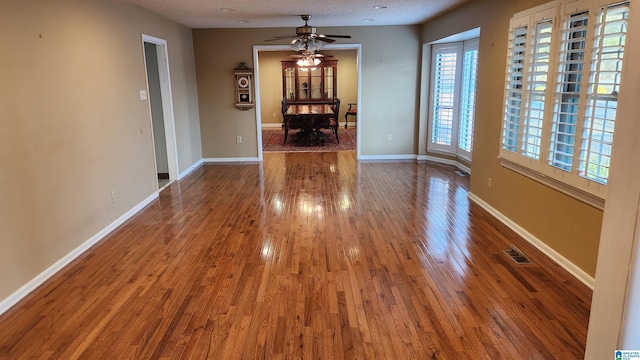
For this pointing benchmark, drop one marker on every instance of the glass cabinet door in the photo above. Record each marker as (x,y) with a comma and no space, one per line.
(315,76)
(303,84)
(289,83)
(309,84)
(328,82)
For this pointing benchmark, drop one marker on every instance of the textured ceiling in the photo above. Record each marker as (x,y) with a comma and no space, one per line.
(285,13)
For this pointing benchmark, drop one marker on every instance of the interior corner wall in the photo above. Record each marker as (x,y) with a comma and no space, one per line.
(73,128)
(568,226)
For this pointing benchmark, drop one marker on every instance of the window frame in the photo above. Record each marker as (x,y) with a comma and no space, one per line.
(458,48)
(541,169)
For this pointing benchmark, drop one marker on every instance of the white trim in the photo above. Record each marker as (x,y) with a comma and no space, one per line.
(33,284)
(190,169)
(272,125)
(258,48)
(539,244)
(388,157)
(167,103)
(445,49)
(444,161)
(231,160)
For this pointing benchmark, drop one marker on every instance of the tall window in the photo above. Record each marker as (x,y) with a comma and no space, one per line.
(454,70)
(561,92)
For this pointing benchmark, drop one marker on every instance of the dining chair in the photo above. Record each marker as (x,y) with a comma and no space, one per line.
(351,111)
(331,121)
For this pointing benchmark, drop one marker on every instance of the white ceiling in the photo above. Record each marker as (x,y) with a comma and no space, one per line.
(285,13)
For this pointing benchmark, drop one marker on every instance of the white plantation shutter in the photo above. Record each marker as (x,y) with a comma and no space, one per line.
(604,82)
(537,89)
(468,103)
(454,68)
(444,92)
(561,94)
(514,88)
(565,121)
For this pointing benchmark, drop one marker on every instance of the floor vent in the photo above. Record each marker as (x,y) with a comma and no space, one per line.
(517,255)
(462,173)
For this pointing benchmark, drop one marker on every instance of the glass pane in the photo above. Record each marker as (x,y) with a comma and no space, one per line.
(604,83)
(328,83)
(467,108)
(563,129)
(536,90)
(290,82)
(316,83)
(303,78)
(443,98)
(513,101)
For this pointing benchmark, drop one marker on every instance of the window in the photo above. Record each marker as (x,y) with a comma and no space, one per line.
(454,70)
(562,83)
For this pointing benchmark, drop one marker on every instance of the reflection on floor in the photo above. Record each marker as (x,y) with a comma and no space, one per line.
(306,256)
(162,183)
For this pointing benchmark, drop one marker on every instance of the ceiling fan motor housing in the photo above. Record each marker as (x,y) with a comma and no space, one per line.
(306,30)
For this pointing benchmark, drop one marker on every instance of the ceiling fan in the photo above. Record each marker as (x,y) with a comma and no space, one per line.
(307,38)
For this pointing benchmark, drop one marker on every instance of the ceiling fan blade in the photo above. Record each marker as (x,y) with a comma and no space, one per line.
(283,37)
(314,55)
(327,40)
(305,35)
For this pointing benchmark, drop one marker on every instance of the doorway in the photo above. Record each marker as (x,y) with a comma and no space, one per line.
(263,48)
(161,109)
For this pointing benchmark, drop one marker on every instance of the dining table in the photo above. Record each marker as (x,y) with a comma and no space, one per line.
(308,115)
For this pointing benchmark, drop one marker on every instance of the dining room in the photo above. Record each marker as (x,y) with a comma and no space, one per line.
(302,94)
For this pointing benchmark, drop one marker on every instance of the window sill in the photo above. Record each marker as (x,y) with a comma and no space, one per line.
(575,193)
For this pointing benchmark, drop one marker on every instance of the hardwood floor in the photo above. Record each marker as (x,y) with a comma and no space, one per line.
(306,256)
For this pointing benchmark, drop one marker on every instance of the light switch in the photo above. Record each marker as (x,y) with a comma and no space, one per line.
(143,95)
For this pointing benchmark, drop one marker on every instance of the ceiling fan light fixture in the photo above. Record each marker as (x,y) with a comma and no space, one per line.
(297,45)
(314,45)
(309,62)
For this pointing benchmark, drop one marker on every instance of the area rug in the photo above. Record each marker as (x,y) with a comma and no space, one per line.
(272,140)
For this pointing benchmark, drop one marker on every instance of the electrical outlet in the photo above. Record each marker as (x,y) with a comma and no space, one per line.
(489,183)
(239,139)
(274,115)
(389,137)
(113,196)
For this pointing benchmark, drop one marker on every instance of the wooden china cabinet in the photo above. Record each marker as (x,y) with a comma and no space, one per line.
(309,85)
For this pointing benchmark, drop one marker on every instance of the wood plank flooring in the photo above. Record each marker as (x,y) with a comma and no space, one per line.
(306,256)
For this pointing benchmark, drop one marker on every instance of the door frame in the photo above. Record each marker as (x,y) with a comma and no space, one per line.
(167,105)
(258,48)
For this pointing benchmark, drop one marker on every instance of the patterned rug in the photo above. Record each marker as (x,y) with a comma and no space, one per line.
(272,141)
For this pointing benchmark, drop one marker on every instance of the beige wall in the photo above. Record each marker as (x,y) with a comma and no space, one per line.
(73,128)
(568,226)
(390,79)
(270,66)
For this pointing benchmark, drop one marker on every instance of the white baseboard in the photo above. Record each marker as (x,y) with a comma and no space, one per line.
(539,244)
(444,161)
(388,157)
(190,169)
(230,160)
(27,288)
(271,125)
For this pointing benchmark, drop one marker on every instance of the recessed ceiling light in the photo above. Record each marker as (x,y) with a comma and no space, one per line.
(243,21)
(367,20)
(226,9)
(379,7)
